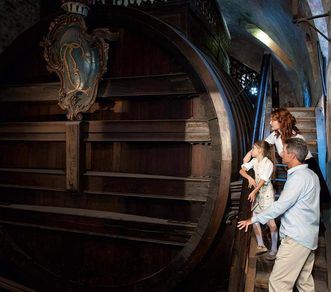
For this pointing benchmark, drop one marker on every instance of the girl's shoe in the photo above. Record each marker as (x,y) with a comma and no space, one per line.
(271,255)
(261,249)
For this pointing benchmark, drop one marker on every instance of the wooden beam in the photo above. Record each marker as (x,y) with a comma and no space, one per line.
(178,84)
(32,131)
(73,155)
(202,198)
(150,130)
(100,223)
(12,286)
(34,178)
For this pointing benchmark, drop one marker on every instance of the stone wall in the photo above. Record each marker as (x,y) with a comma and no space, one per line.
(15,17)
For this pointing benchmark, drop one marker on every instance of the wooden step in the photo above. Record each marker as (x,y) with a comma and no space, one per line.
(309,134)
(305,122)
(302,111)
(261,280)
(312,146)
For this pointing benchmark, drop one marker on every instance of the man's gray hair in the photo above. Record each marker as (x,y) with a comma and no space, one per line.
(298,147)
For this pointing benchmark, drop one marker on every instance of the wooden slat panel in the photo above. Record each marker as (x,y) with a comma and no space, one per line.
(92,222)
(33,137)
(146,137)
(170,84)
(146,176)
(33,177)
(145,184)
(150,130)
(180,208)
(32,154)
(32,127)
(137,157)
(32,131)
(37,92)
(186,197)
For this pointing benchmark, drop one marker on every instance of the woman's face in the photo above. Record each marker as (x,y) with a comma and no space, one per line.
(275,125)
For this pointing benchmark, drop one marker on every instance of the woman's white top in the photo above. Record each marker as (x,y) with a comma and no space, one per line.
(277,141)
(263,170)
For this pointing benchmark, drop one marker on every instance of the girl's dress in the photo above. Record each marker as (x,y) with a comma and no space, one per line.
(266,195)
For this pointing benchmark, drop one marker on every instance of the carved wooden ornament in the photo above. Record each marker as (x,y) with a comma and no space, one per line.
(79,59)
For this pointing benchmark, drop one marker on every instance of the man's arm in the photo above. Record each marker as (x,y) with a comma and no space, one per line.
(288,197)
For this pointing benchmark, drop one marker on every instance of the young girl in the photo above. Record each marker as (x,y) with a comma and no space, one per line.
(263,194)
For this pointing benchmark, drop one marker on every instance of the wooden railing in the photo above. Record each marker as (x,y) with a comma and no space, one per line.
(240,254)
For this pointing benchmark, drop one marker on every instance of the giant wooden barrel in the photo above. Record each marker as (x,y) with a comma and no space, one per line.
(151,161)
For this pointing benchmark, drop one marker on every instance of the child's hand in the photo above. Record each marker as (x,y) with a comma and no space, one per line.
(251,182)
(252,197)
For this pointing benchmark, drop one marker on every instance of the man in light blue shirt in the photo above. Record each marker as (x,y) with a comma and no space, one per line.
(299,209)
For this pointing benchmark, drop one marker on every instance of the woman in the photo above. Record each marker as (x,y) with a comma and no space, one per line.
(283,126)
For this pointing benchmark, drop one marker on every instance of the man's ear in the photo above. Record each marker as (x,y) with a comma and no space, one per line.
(293,156)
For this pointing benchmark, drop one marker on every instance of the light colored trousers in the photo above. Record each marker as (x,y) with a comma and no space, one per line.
(293,266)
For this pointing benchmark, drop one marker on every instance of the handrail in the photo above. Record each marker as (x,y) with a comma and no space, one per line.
(261,102)
(241,245)
(321,63)
(242,239)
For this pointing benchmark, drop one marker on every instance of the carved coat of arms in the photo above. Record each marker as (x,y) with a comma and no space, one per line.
(79,59)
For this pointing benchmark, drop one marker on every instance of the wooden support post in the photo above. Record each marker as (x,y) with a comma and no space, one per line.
(73,155)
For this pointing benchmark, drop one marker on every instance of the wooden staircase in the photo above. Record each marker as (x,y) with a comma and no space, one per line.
(259,267)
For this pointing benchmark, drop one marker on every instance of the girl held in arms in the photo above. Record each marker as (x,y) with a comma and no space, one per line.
(263,194)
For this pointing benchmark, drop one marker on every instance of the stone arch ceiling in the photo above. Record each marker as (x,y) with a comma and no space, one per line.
(272,16)
(298,42)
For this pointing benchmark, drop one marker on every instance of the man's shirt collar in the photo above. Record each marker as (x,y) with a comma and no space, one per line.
(293,169)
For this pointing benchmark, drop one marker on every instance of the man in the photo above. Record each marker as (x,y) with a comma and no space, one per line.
(299,208)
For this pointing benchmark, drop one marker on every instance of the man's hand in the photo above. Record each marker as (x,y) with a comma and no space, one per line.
(244,224)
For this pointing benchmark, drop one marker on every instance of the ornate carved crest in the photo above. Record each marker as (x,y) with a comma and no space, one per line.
(79,59)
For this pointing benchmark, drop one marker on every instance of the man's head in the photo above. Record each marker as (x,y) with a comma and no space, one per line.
(295,151)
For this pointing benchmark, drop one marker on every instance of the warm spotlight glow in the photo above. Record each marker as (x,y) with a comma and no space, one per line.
(270,43)
(263,37)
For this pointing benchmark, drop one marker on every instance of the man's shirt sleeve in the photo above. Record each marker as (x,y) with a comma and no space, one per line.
(287,199)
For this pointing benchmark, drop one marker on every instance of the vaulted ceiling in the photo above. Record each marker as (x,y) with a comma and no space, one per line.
(298,80)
